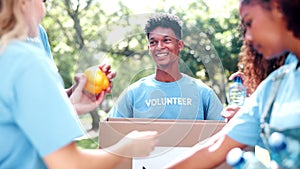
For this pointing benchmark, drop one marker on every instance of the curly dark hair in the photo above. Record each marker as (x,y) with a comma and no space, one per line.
(255,67)
(164,20)
(289,8)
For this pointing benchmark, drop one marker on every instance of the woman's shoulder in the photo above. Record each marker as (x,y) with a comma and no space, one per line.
(21,50)
(19,56)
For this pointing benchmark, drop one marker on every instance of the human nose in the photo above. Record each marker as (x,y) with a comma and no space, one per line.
(160,44)
(248,36)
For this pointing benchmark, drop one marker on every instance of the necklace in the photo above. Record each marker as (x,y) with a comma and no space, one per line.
(33,40)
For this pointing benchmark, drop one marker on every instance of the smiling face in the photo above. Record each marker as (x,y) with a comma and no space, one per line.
(164,47)
(265,29)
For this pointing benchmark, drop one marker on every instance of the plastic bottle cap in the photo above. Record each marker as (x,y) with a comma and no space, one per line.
(277,141)
(234,157)
(238,79)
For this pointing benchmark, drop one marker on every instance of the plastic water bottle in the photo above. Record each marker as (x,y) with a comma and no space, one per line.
(285,152)
(237,92)
(238,159)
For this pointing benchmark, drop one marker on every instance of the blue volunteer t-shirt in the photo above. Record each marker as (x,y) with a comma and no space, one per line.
(187,98)
(37,117)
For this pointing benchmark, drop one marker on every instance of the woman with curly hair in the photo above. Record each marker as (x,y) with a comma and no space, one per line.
(272,28)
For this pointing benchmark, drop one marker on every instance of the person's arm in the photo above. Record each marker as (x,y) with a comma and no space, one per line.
(134,144)
(72,157)
(206,155)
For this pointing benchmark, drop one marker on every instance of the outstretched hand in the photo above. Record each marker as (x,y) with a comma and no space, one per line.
(136,144)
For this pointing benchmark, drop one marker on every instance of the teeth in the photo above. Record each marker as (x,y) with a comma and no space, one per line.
(161,54)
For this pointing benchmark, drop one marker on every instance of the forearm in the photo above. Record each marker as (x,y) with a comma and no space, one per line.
(72,157)
(134,144)
(91,159)
(199,156)
(208,155)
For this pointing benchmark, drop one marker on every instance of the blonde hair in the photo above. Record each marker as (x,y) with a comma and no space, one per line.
(12,24)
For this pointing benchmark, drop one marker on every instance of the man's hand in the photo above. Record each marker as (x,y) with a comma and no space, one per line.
(229,111)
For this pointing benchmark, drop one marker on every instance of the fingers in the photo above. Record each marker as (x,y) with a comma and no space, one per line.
(140,143)
(76,89)
(109,89)
(72,88)
(80,79)
(241,74)
(100,97)
(106,68)
(111,75)
(229,112)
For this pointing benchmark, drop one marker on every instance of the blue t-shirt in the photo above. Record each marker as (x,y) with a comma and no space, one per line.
(37,117)
(44,39)
(244,127)
(187,98)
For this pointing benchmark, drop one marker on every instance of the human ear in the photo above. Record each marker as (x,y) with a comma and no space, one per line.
(180,44)
(277,9)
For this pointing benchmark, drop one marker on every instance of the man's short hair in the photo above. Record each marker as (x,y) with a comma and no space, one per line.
(164,20)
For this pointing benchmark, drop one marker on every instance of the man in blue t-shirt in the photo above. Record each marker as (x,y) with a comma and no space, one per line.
(167,94)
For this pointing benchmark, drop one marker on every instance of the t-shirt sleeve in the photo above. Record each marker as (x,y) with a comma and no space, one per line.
(44,38)
(122,108)
(244,127)
(215,107)
(44,112)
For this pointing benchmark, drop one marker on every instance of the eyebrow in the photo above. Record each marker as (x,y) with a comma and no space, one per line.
(165,36)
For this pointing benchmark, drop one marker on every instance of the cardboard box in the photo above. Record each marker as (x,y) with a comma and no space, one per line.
(175,136)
